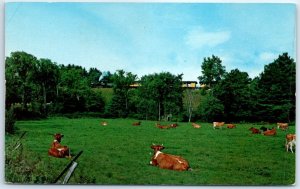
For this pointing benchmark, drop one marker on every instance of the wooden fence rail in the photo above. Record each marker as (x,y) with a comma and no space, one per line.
(71,167)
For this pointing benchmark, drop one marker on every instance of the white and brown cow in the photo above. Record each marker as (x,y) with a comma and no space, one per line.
(58,150)
(218,124)
(168,161)
(282,126)
(290,142)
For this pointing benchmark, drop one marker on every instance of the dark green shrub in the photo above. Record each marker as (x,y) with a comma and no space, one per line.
(10,121)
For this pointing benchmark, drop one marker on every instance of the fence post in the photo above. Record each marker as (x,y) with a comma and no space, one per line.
(68,166)
(71,170)
(18,143)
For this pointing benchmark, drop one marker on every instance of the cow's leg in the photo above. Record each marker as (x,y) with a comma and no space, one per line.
(69,153)
(291,147)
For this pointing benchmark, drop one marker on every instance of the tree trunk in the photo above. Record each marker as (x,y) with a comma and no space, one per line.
(158,111)
(57,91)
(190,108)
(23,99)
(44,97)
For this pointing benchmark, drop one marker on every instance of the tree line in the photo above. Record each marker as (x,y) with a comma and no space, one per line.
(37,88)
(233,96)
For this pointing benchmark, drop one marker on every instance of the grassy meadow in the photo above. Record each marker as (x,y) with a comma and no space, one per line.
(120,153)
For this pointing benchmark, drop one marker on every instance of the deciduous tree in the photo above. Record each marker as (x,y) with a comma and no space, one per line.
(212,71)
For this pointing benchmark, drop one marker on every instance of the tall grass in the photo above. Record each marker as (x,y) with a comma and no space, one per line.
(120,153)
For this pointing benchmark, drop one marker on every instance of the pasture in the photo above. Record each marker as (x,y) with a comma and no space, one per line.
(119,153)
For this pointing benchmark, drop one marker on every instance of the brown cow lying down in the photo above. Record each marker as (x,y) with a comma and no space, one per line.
(137,123)
(271,132)
(290,142)
(254,130)
(57,150)
(196,126)
(158,125)
(168,161)
(283,126)
(218,124)
(231,126)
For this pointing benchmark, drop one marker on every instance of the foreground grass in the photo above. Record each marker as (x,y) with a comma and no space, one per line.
(120,153)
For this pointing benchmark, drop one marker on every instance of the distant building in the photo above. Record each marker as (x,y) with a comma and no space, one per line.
(185,84)
(135,85)
(189,84)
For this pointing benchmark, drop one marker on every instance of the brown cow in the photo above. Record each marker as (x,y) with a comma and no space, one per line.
(282,126)
(271,132)
(173,125)
(254,130)
(290,142)
(137,123)
(196,126)
(158,125)
(104,123)
(57,150)
(218,124)
(231,126)
(168,161)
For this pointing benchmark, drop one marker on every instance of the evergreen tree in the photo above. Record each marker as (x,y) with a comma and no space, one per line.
(277,89)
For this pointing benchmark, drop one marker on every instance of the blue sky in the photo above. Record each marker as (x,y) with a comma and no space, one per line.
(146,38)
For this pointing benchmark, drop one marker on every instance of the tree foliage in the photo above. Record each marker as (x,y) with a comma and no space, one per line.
(212,71)
(36,87)
(233,91)
(39,87)
(211,109)
(121,87)
(277,89)
(19,69)
(269,97)
(161,95)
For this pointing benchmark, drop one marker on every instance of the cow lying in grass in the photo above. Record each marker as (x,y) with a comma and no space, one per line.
(282,126)
(136,123)
(231,126)
(218,124)
(290,142)
(254,130)
(173,125)
(168,161)
(196,126)
(104,123)
(271,132)
(158,125)
(57,150)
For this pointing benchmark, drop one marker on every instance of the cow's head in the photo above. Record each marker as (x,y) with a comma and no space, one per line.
(157,147)
(58,136)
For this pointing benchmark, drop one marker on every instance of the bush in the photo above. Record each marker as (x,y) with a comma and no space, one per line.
(10,121)
(26,167)
(21,166)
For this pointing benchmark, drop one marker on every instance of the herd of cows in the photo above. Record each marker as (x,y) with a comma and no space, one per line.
(173,162)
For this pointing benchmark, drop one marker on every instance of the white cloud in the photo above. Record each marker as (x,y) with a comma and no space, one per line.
(267,57)
(198,38)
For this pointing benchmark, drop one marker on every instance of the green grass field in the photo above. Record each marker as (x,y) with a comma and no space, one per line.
(120,153)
